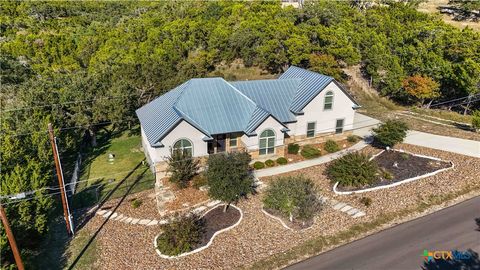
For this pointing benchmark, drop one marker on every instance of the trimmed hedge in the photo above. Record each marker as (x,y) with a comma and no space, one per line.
(270,163)
(282,161)
(258,165)
(331,146)
(293,148)
(353,170)
(353,138)
(308,152)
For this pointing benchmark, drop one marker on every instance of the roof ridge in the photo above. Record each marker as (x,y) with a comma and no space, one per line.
(240,92)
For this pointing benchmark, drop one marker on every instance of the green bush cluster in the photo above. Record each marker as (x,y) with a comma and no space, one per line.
(390,133)
(294,196)
(258,165)
(182,167)
(270,163)
(136,203)
(309,151)
(353,170)
(476,120)
(353,138)
(293,148)
(331,146)
(181,235)
(282,161)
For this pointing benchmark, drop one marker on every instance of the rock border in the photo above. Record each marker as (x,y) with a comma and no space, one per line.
(200,248)
(285,225)
(399,182)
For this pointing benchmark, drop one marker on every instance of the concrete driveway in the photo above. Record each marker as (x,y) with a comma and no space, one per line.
(363,125)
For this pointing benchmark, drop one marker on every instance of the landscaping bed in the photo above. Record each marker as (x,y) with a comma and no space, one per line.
(292,158)
(184,197)
(399,166)
(216,220)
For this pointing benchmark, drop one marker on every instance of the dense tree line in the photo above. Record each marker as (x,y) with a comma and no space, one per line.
(99,61)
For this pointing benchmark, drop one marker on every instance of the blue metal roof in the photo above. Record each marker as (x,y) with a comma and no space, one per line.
(312,83)
(215,106)
(274,96)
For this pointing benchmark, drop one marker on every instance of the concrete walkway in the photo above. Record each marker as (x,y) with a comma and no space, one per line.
(307,163)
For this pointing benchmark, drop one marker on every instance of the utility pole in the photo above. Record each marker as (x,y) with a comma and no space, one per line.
(58,168)
(11,239)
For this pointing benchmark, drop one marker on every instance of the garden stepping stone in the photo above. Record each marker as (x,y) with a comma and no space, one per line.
(114,215)
(119,217)
(333,202)
(153,222)
(353,211)
(123,219)
(164,221)
(144,221)
(339,205)
(359,214)
(101,212)
(135,221)
(346,208)
(128,220)
(107,214)
(199,209)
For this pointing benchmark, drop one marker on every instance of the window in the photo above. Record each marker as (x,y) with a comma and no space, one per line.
(267,142)
(311,130)
(184,145)
(233,141)
(328,103)
(339,126)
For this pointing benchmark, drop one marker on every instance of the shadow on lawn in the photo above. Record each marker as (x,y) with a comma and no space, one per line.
(107,197)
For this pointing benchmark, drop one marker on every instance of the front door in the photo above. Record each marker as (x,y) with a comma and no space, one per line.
(221,143)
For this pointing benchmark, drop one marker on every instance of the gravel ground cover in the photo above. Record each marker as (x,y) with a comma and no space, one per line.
(294,224)
(185,197)
(257,237)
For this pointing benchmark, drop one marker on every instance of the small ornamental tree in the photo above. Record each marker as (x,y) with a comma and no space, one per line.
(390,133)
(353,169)
(293,196)
(180,235)
(421,88)
(229,177)
(182,167)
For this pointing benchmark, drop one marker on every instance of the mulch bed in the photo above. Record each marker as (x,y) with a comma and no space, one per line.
(343,144)
(216,220)
(402,166)
(294,225)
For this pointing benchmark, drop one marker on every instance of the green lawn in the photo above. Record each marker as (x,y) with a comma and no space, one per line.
(100,174)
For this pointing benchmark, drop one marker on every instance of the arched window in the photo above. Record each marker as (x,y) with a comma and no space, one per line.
(328,103)
(184,145)
(267,142)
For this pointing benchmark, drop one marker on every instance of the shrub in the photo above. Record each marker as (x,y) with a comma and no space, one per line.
(294,196)
(136,203)
(181,235)
(293,148)
(282,161)
(308,152)
(331,146)
(353,138)
(270,163)
(405,156)
(258,165)
(229,177)
(390,133)
(476,120)
(199,180)
(367,201)
(182,167)
(387,175)
(353,169)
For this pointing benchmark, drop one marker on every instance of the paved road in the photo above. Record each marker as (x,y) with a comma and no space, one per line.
(401,247)
(363,124)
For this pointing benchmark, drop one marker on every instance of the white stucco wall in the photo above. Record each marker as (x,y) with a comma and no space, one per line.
(325,119)
(269,123)
(182,131)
